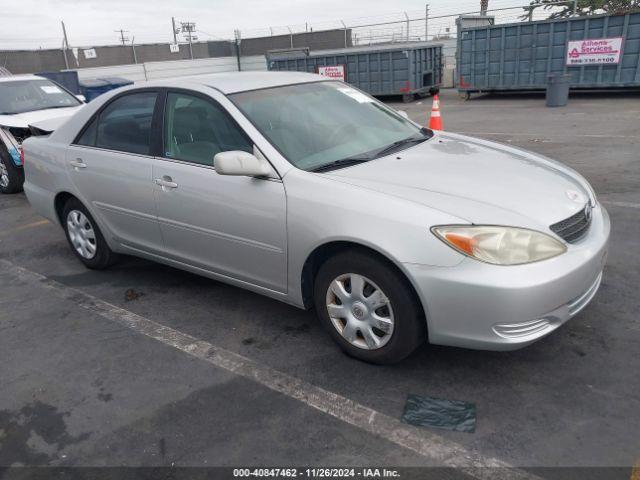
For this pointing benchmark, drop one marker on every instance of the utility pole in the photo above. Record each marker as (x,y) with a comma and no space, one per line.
(426,23)
(237,34)
(65,45)
(174,30)
(575,7)
(484,6)
(133,47)
(123,39)
(407,17)
(344,25)
(188,28)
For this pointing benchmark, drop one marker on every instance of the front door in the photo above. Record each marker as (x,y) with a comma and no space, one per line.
(110,165)
(233,226)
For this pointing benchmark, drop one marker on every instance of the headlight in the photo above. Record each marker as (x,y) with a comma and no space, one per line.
(500,245)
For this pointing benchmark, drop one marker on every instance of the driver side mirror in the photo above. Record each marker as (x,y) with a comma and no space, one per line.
(403,114)
(237,162)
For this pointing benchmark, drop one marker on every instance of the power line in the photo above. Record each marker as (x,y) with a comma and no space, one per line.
(123,39)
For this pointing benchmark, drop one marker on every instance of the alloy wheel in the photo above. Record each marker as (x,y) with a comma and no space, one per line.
(81,234)
(4,175)
(360,311)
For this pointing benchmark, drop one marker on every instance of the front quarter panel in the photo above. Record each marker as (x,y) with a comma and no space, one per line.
(321,210)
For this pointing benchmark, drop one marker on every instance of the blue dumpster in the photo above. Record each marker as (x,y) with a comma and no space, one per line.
(94,87)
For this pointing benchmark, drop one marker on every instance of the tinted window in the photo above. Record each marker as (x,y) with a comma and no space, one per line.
(197,129)
(124,125)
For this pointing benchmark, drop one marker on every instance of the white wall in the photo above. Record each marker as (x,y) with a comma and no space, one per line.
(176,68)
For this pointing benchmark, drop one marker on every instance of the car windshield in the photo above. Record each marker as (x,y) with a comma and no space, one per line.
(19,96)
(318,125)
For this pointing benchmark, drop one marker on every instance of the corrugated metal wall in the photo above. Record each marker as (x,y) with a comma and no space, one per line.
(379,70)
(30,61)
(521,56)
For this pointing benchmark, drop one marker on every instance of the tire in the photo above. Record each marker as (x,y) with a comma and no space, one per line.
(403,316)
(91,249)
(408,97)
(11,177)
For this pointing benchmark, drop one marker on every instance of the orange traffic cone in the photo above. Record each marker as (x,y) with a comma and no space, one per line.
(435,122)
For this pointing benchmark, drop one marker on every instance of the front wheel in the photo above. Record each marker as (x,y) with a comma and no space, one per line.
(11,177)
(84,236)
(369,308)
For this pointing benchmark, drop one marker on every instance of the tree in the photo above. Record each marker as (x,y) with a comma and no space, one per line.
(583,7)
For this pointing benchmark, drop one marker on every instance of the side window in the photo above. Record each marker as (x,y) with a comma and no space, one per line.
(195,130)
(124,125)
(88,137)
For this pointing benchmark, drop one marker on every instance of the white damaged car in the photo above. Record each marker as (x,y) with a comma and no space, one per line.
(28,104)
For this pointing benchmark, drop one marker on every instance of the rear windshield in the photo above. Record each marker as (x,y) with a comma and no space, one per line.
(21,96)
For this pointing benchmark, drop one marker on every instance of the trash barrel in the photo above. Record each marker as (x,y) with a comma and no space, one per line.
(558,90)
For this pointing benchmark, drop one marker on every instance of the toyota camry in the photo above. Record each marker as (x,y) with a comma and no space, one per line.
(309,191)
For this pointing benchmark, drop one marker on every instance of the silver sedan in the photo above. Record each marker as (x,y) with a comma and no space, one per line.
(309,191)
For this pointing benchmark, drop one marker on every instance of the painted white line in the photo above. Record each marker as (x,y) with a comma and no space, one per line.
(551,134)
(438,450)
(39,223)
(622,204)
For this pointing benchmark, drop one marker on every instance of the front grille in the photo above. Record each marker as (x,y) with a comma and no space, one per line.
(575,227)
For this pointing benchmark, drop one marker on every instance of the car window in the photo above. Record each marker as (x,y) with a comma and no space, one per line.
(20,96)
(88,136)
(315,124)
(124,125)
(195,130)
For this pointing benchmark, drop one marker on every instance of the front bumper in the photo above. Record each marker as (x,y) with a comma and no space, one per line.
(491,307)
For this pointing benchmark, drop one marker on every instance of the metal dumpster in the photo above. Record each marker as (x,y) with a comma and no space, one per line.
(400,69)
(67,79)
(600,51)
(94,87)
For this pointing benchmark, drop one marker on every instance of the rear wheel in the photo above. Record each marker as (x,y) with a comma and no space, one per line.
(408,98)
(85,238)
(11,177)
(368,307)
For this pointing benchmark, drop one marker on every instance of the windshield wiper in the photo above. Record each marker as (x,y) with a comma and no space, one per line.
(343,162)
(401,143)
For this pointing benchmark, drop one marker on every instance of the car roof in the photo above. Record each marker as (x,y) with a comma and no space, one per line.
(233,82)
(15,78)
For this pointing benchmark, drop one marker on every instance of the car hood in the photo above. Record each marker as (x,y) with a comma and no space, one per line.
(476,180)
(23,120)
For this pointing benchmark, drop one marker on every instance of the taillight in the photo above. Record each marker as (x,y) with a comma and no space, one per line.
(21,155)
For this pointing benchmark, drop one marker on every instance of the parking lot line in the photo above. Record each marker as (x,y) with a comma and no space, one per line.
(440,450)
(549,134)
(622,204)
(23,227)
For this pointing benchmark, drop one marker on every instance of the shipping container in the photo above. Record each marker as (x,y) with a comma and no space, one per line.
(598,52)
(399,69)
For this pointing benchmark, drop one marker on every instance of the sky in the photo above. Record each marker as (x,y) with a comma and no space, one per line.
(36,23)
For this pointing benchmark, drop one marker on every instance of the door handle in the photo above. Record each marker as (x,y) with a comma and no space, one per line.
(166,183)
(77,163)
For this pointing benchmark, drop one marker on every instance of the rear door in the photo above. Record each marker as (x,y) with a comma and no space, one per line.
(110,164)
(233,226)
